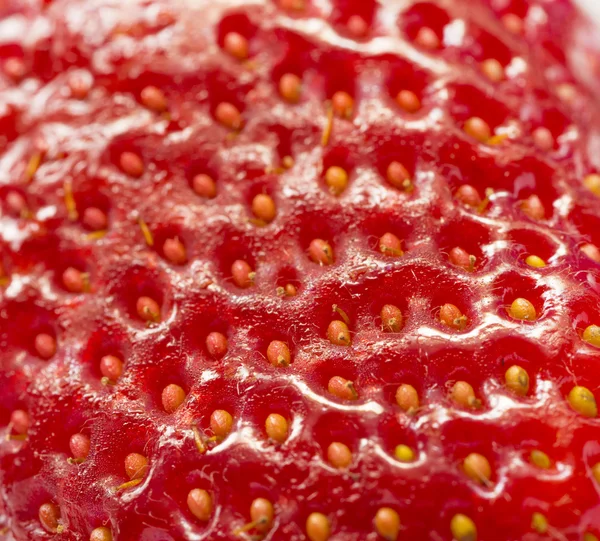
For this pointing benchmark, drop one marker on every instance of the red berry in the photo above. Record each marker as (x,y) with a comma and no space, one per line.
(265,361)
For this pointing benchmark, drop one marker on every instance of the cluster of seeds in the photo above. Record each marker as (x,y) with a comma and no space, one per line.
(257,280)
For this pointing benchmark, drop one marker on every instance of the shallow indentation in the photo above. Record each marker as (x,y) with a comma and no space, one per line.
(423,15)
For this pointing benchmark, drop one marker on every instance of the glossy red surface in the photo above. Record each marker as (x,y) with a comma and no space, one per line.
(132,148)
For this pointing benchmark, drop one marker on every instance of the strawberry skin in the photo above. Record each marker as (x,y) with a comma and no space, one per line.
(298,270)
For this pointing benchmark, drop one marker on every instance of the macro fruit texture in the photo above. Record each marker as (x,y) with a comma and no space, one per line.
(298,270)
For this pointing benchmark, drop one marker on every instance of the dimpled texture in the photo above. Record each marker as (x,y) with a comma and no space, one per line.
(66,121)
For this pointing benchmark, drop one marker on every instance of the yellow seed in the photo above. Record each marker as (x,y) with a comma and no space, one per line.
(387,523)
(404,453)
(277,427)
(317,527)
(146,232)
(535,261)
(540,459)
(328,127)
(592,183)
(517,380)
(596,472)
(478,468)
(522,309)
(463,528)
(70,204)
(462,394)
(539,523)
(339,455)
(592,335)
(587,536)
(583,401)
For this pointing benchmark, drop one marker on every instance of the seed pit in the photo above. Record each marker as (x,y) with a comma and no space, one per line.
(482,46)
(525,242)
(235,23)
(424,15)
(234,247)
(172,243)
(331,428)
(470,235)
(354,18)
(341,76)
(587,223)
(226,100)
(136,284)
(467,101)
(203,175)
(512,286)
(403,76)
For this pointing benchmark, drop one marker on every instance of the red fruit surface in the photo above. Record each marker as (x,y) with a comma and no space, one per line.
(200,339)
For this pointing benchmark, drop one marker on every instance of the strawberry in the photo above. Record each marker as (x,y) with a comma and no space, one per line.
(298,270)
